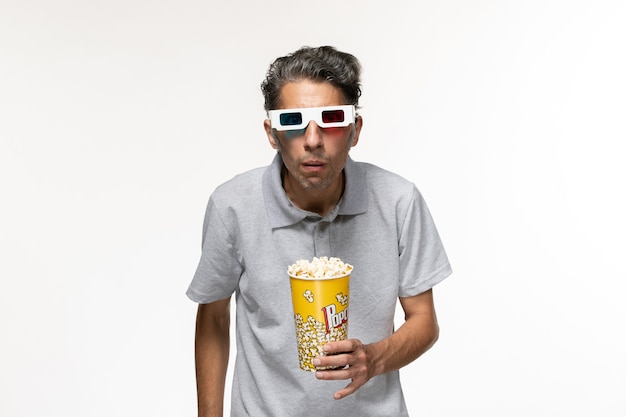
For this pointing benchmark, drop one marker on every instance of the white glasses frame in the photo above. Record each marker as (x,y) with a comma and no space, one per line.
(311,113)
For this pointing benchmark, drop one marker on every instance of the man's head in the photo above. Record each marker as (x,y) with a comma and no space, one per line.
(311,96)
(325,63)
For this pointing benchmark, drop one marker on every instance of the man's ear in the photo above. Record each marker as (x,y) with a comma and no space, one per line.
(270,136)
(358,124)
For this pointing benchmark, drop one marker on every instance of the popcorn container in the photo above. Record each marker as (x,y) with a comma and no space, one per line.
(320,308)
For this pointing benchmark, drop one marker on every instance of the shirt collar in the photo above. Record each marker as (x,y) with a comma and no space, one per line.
(282,212)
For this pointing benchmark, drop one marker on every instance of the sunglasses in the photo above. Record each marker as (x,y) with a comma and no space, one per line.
(298,119)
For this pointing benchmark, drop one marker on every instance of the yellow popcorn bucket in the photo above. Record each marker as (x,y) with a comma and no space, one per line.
(320,307)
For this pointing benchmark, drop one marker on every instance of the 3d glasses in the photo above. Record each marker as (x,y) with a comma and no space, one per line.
(298,119)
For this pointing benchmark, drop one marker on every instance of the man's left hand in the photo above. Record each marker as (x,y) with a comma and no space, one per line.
(354,361)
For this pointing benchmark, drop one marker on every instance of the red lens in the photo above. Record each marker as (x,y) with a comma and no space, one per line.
(332,116)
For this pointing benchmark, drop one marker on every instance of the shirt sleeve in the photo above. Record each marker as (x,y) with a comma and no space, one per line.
(219,269)
(423,260)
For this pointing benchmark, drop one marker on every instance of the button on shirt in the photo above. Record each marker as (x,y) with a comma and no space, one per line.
(252,233)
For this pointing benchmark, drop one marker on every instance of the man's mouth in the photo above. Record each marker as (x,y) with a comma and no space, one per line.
(313,165)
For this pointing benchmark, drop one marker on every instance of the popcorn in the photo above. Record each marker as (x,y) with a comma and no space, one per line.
(323,267)
(343,299)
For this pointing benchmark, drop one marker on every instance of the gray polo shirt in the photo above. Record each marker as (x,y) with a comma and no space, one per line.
(252,233)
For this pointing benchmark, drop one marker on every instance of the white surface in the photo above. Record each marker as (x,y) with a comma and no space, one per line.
(508,115)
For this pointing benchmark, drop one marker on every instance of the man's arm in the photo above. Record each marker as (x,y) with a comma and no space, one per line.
(416,335)
(212,349)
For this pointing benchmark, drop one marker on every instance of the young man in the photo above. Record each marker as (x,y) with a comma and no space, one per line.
(314,200)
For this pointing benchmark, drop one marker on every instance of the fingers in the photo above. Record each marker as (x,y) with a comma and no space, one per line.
(342,346)
(340,374)
(349,389)
(338,355)
(349,357)
(334,366)
(334,374)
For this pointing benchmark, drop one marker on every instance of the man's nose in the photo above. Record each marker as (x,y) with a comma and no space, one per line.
(313,136)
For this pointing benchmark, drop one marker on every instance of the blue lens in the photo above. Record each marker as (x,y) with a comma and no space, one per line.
(291,119)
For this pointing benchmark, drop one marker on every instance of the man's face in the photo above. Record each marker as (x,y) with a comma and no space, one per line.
(314,157)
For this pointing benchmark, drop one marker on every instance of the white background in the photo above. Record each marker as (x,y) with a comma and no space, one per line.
(118,119)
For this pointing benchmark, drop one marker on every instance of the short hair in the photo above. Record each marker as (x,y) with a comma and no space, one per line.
(324,63)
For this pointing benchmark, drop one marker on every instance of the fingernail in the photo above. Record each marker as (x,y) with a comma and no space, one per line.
(326,348)
(317,362)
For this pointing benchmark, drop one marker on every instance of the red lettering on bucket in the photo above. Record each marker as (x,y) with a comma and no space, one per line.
(332,318)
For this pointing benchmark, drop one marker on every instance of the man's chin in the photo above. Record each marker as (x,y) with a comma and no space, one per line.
(313,184)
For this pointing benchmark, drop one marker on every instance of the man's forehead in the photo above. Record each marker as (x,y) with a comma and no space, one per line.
(309,93)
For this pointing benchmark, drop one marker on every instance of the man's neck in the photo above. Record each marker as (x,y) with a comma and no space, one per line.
(321,202)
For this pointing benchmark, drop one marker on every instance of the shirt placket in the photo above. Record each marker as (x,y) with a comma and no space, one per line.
(321,236)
